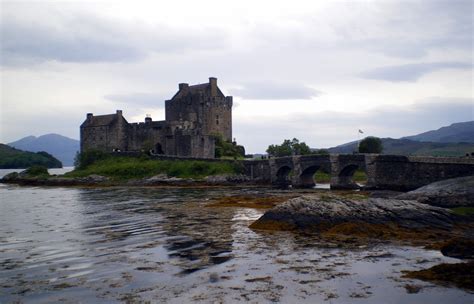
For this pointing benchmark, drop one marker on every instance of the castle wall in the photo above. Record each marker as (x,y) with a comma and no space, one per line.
(105,137)
(193,116)
(147,135)
(218,117)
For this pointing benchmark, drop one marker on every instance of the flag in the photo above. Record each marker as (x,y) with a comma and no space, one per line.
(360,131)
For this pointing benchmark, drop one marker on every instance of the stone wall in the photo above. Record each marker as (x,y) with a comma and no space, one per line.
(408,173)
(105,137)
(193,116)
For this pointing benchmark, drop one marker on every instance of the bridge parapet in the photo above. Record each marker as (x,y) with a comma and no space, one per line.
(410,172)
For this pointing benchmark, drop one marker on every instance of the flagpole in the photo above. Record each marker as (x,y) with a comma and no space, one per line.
(358,139)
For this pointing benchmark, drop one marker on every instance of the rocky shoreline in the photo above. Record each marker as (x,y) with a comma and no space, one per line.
(420,217)
(423,217)
(103,181)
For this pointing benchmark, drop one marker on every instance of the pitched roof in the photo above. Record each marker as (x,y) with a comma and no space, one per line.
(100,120)
(195,89)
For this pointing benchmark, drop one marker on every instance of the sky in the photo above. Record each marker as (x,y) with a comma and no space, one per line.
(315,70)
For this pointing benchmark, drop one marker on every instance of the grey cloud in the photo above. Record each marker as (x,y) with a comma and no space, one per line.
(411,72)
(155,100)
(86,38)
(408,29)
(274,91)
(326,129)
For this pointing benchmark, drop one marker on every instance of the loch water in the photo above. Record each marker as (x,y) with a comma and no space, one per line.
(109,245)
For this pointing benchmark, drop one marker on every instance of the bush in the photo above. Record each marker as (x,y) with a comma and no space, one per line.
(227,149)
(371,144)
(37,170)
(288,148)
(86,158)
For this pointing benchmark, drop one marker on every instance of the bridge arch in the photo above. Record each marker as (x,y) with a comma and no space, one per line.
(345,177)
(283,175)
(307,176)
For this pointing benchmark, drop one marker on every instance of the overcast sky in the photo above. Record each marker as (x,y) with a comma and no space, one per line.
(315,70)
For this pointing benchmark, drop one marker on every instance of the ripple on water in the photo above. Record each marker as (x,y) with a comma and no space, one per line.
(163,245)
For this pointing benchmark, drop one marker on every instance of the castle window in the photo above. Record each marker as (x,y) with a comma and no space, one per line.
(217,119)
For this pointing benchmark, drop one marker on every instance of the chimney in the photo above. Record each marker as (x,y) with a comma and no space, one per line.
(89,115)
(213,84)
(148,119)
(119,112)
(183,86)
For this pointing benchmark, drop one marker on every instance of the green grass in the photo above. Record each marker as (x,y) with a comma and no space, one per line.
(322,177)
(123,168)
(463,210)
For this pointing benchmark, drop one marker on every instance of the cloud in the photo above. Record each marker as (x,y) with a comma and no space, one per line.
(154,100)
(331,128)
(411,72)
(86,38)
(275,91)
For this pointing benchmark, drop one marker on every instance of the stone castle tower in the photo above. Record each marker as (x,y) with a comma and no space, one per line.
(194,115)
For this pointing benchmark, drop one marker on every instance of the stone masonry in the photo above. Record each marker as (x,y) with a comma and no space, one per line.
(194,115)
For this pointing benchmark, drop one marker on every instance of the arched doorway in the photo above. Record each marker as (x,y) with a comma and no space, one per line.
(158,149)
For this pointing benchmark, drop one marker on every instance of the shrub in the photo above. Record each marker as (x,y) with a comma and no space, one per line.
(86,158)
(227,149)
(37,170)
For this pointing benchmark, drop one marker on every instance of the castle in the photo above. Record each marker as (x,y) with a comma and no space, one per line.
(193,116)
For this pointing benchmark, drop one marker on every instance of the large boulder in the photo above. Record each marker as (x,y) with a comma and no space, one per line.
(447,193)
(315,212)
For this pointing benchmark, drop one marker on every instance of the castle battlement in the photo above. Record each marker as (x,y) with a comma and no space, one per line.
(193,116)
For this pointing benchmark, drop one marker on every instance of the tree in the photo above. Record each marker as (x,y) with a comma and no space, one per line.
(227,149)
(289,147)
(371,144)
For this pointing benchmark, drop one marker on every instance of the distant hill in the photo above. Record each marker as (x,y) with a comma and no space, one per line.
(11,158)
(457,132)
(454,140)
(61,147)
(411,147)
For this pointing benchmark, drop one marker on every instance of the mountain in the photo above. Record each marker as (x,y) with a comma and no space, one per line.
(61,147)
(411,147)
(11,158)
(454,140)
(457,132)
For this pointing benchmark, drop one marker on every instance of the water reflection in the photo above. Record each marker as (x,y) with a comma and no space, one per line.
(165,245)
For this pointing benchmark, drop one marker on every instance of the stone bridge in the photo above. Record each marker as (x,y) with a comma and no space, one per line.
(383,171)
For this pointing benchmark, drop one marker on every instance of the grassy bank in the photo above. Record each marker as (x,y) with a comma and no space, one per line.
(122,168)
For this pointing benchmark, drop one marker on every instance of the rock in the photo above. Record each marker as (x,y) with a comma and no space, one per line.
(384,193)
(460,275)
(227,178)
(93,178)
(11,177)
(162,178)
(458,248)
(324,212)
(447,193)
